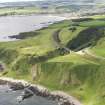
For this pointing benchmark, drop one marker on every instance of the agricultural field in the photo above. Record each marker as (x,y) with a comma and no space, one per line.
(19,11)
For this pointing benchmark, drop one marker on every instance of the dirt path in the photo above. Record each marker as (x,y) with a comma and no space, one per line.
(58,42)
(56,39)
(87,52)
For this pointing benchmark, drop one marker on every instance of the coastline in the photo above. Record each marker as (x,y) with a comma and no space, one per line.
(64,16)
(61,97)
(24,24)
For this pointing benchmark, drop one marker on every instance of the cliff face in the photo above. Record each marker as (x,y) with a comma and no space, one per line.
(85,81)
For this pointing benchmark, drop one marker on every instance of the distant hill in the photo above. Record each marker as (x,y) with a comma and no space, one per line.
(62,6)
(49,2)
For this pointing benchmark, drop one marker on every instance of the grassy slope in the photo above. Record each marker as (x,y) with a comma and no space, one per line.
(93,23)
(81,76)
(66,34)
(99,49)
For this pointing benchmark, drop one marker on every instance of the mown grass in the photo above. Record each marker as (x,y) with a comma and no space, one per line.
(99,48)
(93,23)
(98,17)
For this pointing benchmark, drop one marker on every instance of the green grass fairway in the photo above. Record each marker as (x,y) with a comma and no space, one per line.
(94,23)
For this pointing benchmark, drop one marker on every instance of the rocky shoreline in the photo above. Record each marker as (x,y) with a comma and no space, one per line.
(31,89)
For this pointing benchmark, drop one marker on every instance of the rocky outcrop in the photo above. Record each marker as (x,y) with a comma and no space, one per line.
(25,94)
(25,35)
(15,86)
(31,89)
(2,67)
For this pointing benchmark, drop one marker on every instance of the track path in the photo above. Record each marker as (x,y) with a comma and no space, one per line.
(89,53)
